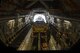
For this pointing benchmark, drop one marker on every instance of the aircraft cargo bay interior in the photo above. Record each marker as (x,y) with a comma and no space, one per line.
(27,25)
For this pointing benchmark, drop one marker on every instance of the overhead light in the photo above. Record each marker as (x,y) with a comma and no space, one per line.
(39,16)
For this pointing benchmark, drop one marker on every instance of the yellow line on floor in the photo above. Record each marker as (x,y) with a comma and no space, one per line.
(25,42)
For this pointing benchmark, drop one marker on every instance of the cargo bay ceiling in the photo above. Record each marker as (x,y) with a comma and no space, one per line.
(55,7)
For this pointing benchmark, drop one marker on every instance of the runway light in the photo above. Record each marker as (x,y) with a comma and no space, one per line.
(39,17)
